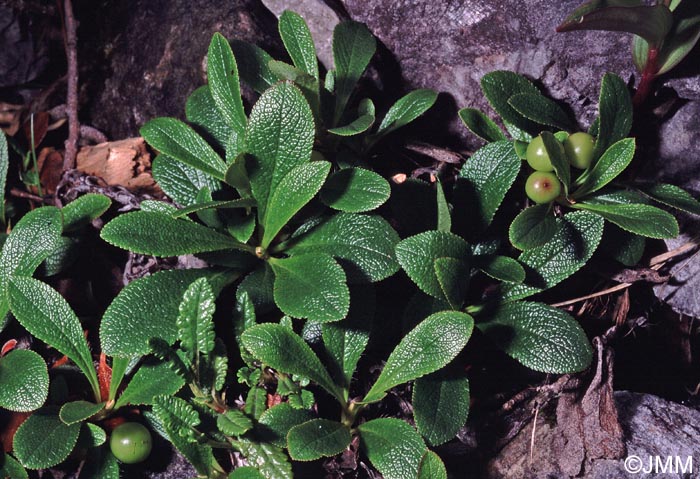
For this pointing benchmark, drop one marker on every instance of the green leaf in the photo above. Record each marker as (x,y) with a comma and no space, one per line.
(682,38)
(440,406)
(280,348)
(201,111)
(271,461)
(481,125)
(100,464)
(615,108)
(490,172)
(453,276)
(222,74)
(355,190)
(4,165)
(363,122)
(428,347)
(363,243)
(541,110)
(644,220)
(316,439)
(298,42)
(311,286)
(499,87)
(246,472)
(540,337)
(256,402)
(279,137)
(407,109)
(294,191)
(43,440)
(181,182)
(233,423)
(149,381)
(418,253)
(208,205)
(353,48)
(78,411)
(61,258)
(674,197)
(253,66)
(195,322)
(302,80)
(557,156)
(259,285)
(24,381)
(174,138)
(627,248)
(48,317)
(9,467)
(31,241)
(501,268)
(158,234)
(275,423)
(147,308)
(444,220)
(83,210)
(91,436)
(611,164)
(533,227)
(574,243)
(177,415)
(393,447)
(431,467)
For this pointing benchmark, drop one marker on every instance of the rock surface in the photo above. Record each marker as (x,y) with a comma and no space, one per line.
(652,427)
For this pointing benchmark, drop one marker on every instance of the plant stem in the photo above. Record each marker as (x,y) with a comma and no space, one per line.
(648,75)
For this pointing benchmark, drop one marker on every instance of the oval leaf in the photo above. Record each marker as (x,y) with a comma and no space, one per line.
(440,406)
(149,381)
(181,182)
(431,467)
(499,87)
(43,440)
(644,220)
(275,423)
(353,48)
(393,447)
(78,411)
(355,190)
(24,381)
(541,110)
(481,125)
(317,438)
(533,227)
(83,210)
(407,109)
(609,166)
(298,42)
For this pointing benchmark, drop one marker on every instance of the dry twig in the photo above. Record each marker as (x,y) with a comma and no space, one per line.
(71,143)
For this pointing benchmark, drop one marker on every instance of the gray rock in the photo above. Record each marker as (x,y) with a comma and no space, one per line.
(652,427)
(22,58)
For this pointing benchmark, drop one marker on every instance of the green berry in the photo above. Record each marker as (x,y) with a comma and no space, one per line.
(131,443)
(537,156)
(542,187)
(579,149)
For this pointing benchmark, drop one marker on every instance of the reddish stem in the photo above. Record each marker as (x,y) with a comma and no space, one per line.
(648,75)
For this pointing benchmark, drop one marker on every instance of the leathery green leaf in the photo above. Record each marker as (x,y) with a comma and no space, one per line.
(393,447)
(43,440)
(440,406)
(431,467)
(317,438)
(24,381)
(353,48)
(298,42)
(481,125)
(222,74)
(355,190)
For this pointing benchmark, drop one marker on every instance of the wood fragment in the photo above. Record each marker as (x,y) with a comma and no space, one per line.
(71,45)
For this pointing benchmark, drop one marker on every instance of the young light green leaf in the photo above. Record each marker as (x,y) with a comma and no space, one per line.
(453,276)
(540,337)
(444,219)
(158,234)
(533,227)
(363,243)
(499,87)
(280,348)
(575,241)
(644,220)
(481,125)
(253,66)
(202,112)
(674,197)
(428,347)
(490,172)
(311,286)
(78,411)
(195,322)
(431,467)
(615,107)
(31,241)
(353,48)
(294,191)
(541,110)
(440,406)
(24,381)
(558,158)
(407,109)
(222,74)
(275,423)
(418,253)
(316,439)
(609,166)
(298,42)
(393,447)
(83,210)
(149,381)
(148,307)
(177,415)
(365,119)
(355,190)
(181,182)
(279,137)
(43,440)
(501,268)
(48,317)
(233,423)
(174,138)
